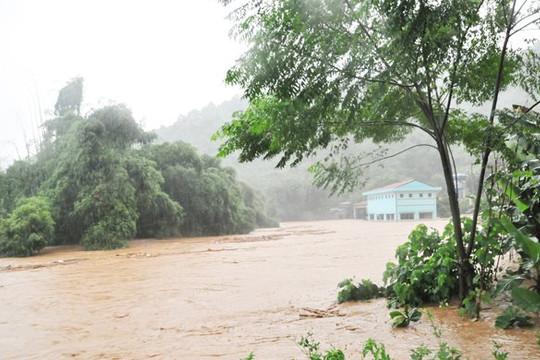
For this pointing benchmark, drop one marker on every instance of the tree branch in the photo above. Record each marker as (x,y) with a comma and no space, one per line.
(398,123)
(524,26)
(372,80)
(393,155)
(487,151)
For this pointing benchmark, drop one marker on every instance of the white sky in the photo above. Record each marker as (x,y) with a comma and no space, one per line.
(162,58)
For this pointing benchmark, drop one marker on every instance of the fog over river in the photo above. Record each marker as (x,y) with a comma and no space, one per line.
(222,298)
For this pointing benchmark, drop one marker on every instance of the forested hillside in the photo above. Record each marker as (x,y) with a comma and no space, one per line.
(98,181)
(289,192)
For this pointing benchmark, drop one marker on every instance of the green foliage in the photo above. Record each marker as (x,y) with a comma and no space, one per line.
(364,290)
(289,193)
(159,215)
(497,353)
(426,270)
(70,97)
(106,184)
(103,192)
(444,351)
(326,74)
(508,282)
(529,248)
(28,229)
(301,101)
(251,356)
(213,201)
(378,351)
(310,347)
(525,299)
(470,306)
(427,266)
(405,317)
(512,316)
(254,203)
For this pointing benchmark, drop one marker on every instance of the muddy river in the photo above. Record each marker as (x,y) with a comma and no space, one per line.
(222,298)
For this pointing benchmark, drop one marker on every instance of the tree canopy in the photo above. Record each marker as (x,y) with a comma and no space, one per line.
(101,182)
(324,73)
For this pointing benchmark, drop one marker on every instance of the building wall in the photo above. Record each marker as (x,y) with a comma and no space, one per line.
(418,203)
(413,204)
(381,204)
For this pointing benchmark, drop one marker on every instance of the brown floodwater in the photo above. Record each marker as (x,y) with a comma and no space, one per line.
(222,298)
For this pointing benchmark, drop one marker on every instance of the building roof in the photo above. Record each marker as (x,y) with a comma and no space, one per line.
(409,185)
(360,204)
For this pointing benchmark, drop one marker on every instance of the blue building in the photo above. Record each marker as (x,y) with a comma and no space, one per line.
(407,200)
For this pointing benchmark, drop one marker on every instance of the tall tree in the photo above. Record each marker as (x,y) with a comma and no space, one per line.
(70,98)
(324,73)
(100,187)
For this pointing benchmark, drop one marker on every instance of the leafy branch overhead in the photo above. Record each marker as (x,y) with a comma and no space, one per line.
(323,71)
(322,74)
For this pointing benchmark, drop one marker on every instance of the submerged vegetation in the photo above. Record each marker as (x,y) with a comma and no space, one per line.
(378,351)
(98,181)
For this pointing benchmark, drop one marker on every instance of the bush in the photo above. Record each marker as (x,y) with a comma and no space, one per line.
(364,290)
(426,271)
(108,234)
(28,229)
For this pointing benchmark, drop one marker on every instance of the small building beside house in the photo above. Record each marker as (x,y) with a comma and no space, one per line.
(343,211)
(407,200)
(360,210)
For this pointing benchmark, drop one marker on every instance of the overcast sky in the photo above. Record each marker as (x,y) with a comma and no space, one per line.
(162,58)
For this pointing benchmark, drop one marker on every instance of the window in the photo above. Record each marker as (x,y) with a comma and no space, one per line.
(406,216)
(380,217)
(400,195)
(389,216)
(370,216)
(421,195)
(429,194)
(426,215)
(410,195)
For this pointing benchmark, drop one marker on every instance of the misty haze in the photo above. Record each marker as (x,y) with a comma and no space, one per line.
(275,179)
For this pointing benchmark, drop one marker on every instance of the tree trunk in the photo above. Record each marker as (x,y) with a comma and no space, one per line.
(466,270)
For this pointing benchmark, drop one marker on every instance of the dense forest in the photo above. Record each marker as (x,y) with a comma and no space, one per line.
(99,180)
(290,192)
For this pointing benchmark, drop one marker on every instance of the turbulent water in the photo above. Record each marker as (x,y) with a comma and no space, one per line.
(223,297)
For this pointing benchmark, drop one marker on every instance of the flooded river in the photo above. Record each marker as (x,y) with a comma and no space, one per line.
(222,298)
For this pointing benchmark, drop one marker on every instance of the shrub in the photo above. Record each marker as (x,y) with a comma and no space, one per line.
(512,316)
(364,290)
(28,229)
(426,270)
(108,234)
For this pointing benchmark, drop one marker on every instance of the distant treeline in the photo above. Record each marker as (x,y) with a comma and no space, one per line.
(99,180)
(289,192)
